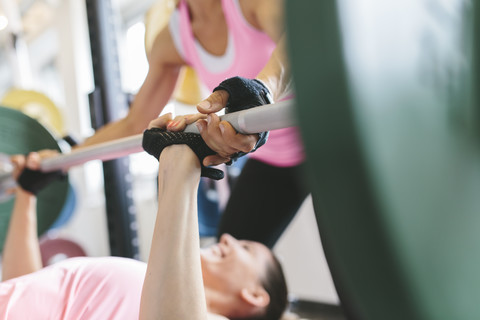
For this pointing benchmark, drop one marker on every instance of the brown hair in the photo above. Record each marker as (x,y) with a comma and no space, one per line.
(275,284)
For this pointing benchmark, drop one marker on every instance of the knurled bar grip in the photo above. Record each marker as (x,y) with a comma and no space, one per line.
(258,119)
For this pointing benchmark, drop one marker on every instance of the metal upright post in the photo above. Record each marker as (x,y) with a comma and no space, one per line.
(107,103)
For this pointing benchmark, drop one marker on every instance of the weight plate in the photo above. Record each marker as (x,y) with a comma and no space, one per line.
(20,134)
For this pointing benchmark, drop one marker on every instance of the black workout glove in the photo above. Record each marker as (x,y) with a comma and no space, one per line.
(245,94)
(34,180)
(156,139)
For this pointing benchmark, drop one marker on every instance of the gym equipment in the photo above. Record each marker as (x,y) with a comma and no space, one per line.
(264,118)
(6,180)
(36,105)
(20,134)
(54,249)
(67,211)
(254,120)
(107,103)
(269,117)
(388,109)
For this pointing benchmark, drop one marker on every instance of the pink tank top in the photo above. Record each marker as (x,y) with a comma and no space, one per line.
(77,288)
(247,52)
(284,147)
(248,49)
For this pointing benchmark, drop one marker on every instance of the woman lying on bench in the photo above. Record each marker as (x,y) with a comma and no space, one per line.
(234,278)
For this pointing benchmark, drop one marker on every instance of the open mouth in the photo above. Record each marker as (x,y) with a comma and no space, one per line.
(219,251)
(215,251)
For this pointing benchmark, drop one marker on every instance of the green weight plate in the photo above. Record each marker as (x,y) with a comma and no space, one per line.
(388,110)
(20,134)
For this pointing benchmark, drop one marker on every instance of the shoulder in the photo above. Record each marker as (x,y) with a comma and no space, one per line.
(266,8)
(159,44)
(164,51)
(265,15)
(100,265)
(156,18)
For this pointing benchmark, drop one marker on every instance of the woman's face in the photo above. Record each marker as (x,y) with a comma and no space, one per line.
(234,264)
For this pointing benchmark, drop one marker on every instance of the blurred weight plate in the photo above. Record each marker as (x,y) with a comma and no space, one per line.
(35,105)
(20,134)
(55,249)
(389,114)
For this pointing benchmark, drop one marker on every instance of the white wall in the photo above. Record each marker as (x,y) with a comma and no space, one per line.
(304,263)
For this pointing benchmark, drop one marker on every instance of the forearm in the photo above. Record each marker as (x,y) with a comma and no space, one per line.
(21,252)
(111,131)
(276,73)
(149,102)
(173,287)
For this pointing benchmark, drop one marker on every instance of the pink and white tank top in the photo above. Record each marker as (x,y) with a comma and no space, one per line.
(248,51)
(284,147)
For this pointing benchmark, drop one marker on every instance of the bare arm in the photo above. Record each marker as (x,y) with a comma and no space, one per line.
(21,251)
(266,15)
(173,287)
(276,73)
(152,97)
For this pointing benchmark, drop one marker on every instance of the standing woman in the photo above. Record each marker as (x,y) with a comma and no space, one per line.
(271,188)
(221,39)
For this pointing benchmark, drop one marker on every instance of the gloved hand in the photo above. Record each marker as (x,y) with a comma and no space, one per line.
(157,139)
(245,94)
(27,172)
(34,180)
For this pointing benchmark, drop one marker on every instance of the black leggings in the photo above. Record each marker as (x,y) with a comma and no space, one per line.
(263,201)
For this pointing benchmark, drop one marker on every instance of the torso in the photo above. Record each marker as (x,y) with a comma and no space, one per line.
(231,46)
(214,36)
(285,140)
(211,32)
(76,288)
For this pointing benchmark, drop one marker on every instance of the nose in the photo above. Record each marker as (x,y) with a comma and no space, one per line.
(227,239)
